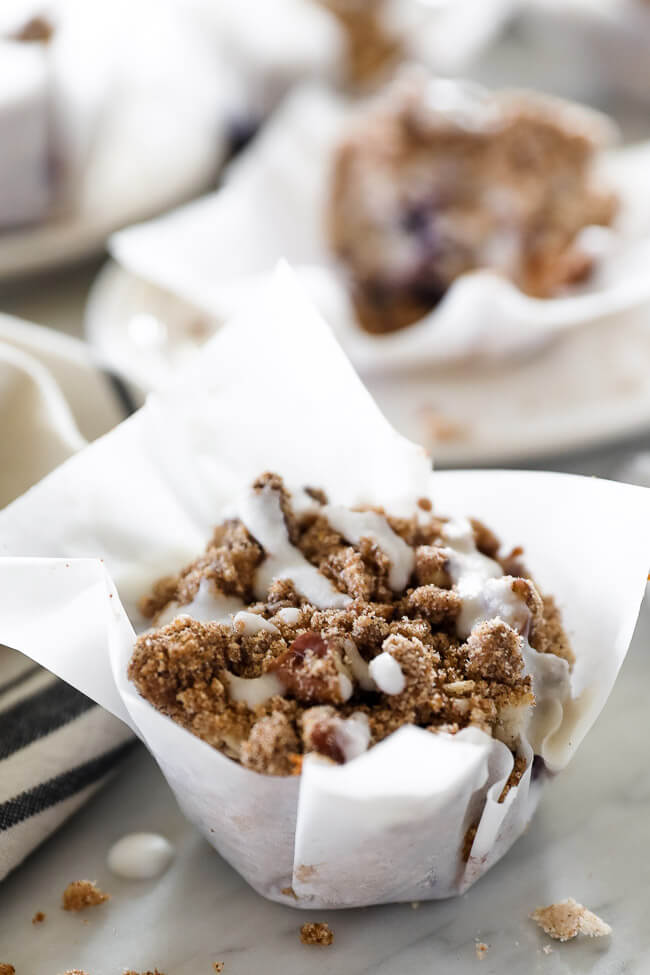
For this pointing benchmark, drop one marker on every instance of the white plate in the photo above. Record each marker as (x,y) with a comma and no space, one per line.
(589,386)
(144,105)
(125,183)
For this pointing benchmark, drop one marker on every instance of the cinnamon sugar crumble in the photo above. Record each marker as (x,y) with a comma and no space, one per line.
(481,950)
(421,194)
(288,678)
(81,894)
(38,918)
(567,919)
(6,969)
(316,933)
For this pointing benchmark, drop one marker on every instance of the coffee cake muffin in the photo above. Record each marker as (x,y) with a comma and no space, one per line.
(441,178)
(307,627)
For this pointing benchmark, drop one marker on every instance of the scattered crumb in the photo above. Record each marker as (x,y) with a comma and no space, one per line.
(75,971)
(481,950)
(566,919)
(547,949)
(218,966)
(316,933)
(81,894)
(6,969)
(415,905)
(442,428)
(38,918)
(154,972)
(289,892)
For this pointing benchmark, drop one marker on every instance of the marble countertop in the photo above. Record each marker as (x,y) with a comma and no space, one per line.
(588,841)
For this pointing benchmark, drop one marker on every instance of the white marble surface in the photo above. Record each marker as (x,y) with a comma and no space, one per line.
(588,841)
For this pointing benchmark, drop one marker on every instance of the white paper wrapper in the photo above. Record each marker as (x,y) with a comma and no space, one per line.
(214,252)
(273,391)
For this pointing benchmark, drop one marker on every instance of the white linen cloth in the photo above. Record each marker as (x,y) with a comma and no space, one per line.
(56,746)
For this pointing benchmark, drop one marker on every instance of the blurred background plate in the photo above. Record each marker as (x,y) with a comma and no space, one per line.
(589,387)
(125,182)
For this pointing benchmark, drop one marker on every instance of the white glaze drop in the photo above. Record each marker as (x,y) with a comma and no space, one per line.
(345,685)
(248,624)
(208,606)
(288,615)
(355,525)
(387,674)
(140,856)
(254,691)
(358,666)
(261,513)
(353,735)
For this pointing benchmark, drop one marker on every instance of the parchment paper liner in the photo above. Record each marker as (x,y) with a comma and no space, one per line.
(214,252)
(273,391)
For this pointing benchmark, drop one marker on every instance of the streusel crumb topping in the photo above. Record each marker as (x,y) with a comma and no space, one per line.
(81,894)
(316,933)
(296,632)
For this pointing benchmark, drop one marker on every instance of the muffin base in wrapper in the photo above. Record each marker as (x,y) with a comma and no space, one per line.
(391,824)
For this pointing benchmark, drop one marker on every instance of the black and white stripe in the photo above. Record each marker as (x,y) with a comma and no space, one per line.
(56,749)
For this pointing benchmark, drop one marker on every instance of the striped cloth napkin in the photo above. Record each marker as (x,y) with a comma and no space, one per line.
(57,747)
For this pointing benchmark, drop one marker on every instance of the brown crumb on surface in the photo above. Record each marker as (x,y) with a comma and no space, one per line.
(316,933)
(81,894)
(481,950)
(154,972)
(289,892)
(6,969)
(318,693)
(38,918)
(218,966)
(567,919)
(442,428)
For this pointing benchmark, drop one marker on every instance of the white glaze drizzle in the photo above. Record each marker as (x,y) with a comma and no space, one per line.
(289,615)
(208,606)
(248,624)
(355,525)
(254,691)
(358,666)
(470,570)
(261,513)
(387,674)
